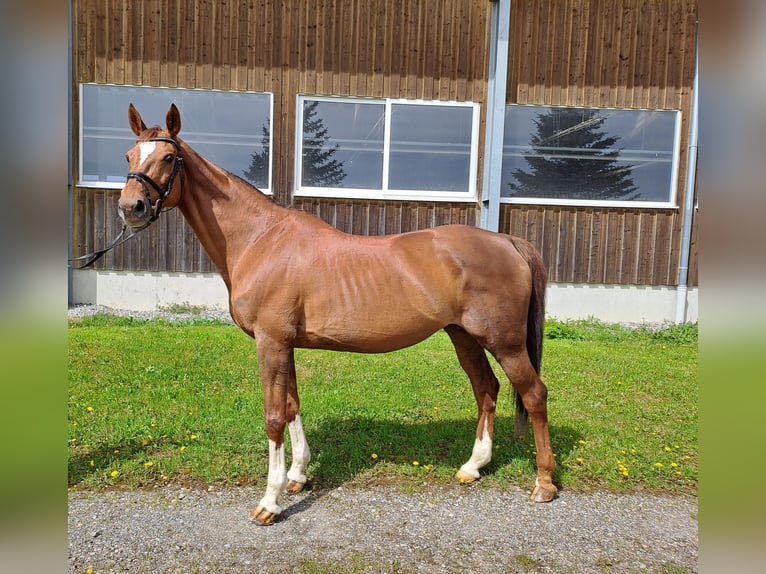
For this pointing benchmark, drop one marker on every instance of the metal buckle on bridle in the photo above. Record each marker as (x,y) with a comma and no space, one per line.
(143,179)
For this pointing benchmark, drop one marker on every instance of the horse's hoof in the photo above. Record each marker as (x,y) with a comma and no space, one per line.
(543,494)
(464,477)
(262,517)
(294,487)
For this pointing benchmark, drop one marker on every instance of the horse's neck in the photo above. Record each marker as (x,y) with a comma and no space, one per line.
(227,215)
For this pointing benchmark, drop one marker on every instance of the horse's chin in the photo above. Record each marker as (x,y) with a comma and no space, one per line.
(136,224)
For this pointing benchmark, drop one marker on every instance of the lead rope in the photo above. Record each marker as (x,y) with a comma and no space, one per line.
(98,254)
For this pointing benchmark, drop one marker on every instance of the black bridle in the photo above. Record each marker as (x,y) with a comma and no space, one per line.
(163,194)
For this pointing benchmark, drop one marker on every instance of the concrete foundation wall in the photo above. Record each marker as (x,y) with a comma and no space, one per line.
(150,291)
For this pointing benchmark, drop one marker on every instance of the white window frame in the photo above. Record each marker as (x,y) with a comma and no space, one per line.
(385,193)
(118,182)
(670,204)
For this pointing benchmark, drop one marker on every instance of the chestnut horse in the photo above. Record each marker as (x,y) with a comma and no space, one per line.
(295,281)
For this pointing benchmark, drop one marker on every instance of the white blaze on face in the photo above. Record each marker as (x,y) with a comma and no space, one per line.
(146,149)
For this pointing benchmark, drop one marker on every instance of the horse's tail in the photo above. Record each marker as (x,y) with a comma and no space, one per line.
(535,322)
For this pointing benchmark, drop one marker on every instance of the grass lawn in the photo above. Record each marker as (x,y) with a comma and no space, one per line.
(152,402)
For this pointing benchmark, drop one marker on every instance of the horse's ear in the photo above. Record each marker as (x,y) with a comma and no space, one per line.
(136,123)
(173,121)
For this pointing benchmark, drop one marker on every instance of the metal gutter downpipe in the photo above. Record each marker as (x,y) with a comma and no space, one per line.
(70,196)
(691,174)
(500,25)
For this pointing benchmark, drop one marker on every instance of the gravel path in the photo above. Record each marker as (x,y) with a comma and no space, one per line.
(460,529)
(474,529)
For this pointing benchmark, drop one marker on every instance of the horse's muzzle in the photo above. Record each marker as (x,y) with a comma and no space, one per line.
(135,213)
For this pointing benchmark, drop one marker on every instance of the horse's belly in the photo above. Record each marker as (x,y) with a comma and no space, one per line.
(368,333)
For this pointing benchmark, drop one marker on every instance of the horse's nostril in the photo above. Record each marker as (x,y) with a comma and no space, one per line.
(140,207)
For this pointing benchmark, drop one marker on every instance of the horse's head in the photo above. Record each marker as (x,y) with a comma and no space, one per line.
(154,167)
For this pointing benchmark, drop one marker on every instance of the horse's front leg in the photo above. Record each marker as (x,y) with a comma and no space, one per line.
(276,367)
(300,449)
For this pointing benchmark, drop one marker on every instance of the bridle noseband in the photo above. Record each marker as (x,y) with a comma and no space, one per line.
(143,179)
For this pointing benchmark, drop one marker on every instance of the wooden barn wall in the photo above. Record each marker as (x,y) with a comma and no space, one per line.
(631,53)
(626,54)
(435,50)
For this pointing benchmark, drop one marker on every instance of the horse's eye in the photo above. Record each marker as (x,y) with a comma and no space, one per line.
(168,158)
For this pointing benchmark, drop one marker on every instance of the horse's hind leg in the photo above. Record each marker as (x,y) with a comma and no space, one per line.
(485,388)
(534,395)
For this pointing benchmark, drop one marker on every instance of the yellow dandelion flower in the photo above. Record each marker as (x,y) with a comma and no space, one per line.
(636,429)
(674,464)
(374,455)
(668,449)
(658,464)
(415,463)
(89,571)
(148,463)
(580,441)
(93,463)
(193,437)
(183,448)
(580,459)
(89,409)
(113,473)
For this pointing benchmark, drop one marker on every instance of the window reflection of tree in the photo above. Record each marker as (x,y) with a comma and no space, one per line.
(571,158)
(319,167)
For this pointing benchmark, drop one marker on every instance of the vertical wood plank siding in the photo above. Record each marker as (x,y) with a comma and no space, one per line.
(627,53)
(605,53)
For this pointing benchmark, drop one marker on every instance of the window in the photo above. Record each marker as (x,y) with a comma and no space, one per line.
(590,156)
(395,149)
(231,129)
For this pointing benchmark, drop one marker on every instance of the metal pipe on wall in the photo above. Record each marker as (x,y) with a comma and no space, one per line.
(691,175)
(500,26)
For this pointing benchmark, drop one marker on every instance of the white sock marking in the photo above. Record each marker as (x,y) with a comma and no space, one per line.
(481,455)
(301,452)
(277,478)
